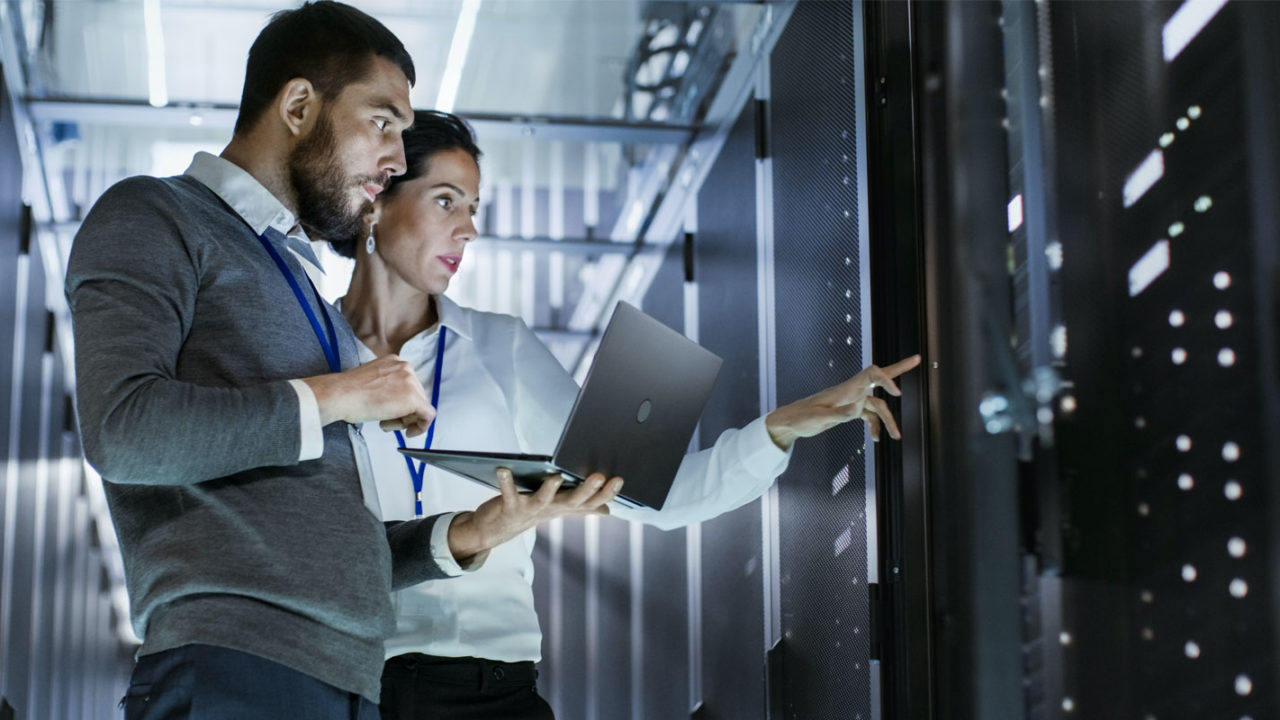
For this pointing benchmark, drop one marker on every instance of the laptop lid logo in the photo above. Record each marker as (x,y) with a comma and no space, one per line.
(642,413)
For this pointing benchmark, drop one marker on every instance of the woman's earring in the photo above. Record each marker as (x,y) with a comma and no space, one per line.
(369,242)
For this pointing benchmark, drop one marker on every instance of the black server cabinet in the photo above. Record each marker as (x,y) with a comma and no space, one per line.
(1169,177)
(822,667)
(732,632)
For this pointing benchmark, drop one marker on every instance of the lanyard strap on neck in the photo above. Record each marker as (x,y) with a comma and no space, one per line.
(418,470)
(327,337)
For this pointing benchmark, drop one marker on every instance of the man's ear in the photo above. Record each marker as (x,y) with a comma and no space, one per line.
(298,106)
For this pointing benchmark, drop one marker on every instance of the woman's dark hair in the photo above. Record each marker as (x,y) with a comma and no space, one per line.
(432,132)
(326,42)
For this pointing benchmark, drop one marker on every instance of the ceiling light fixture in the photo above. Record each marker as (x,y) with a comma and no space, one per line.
(158,93)
(457,55)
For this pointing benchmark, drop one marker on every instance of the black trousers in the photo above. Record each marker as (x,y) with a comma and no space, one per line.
(425,687)
(205,682)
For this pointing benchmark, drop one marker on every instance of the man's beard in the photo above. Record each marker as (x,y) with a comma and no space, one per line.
(321,190)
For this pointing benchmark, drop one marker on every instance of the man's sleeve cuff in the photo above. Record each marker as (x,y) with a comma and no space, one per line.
(444,556)
(312,440)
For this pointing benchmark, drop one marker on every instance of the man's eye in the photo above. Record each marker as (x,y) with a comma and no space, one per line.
(382,124)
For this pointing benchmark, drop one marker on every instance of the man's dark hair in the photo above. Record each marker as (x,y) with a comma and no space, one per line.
(432,132)
(326,42)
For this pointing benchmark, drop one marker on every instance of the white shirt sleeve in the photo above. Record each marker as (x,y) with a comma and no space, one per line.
(312,445)
(739,468)
(543,393)
(444,556)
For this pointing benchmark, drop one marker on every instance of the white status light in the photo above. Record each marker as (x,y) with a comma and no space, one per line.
(1149,267)
(1238,588)
(1236,547)
(1015,212)
(1141,179)
(1186,23)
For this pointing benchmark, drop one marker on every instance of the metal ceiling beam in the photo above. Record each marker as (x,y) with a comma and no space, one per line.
(489,126)
(573,247)
(489,242)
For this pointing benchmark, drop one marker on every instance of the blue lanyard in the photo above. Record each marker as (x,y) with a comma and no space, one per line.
(417,472)
(329,340)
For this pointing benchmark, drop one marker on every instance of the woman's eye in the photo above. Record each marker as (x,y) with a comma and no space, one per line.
(444,202)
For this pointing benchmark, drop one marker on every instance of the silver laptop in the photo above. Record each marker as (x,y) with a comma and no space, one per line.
(633,417)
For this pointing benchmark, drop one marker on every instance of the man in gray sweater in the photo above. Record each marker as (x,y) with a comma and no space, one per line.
(219,395)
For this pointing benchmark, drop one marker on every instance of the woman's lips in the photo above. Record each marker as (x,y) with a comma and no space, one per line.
(451,261)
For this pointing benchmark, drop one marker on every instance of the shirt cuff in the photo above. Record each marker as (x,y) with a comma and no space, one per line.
(444,556)
(759,449)
(312,444)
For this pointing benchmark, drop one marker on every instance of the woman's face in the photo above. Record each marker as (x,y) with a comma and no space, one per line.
(426,223)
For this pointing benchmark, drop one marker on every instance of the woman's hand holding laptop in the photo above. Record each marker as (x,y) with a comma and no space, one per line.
(512,512)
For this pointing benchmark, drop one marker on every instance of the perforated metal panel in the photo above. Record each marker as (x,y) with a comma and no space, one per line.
(825,661)
(732,612)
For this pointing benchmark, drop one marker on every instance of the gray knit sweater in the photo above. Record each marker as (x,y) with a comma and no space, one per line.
(186,334)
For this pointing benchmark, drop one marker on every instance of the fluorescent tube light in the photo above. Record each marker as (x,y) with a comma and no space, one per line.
(457,55)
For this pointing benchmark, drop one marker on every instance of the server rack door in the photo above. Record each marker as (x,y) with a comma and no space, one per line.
(732,612)
(824,668)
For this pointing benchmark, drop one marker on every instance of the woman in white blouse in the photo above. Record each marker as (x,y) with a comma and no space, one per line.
(465,647)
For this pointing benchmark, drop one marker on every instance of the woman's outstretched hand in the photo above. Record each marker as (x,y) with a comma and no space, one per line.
(852,399)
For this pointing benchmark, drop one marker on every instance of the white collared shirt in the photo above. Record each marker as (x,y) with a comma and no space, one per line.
(502,390)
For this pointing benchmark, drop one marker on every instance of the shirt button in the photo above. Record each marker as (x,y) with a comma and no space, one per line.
(499,673)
